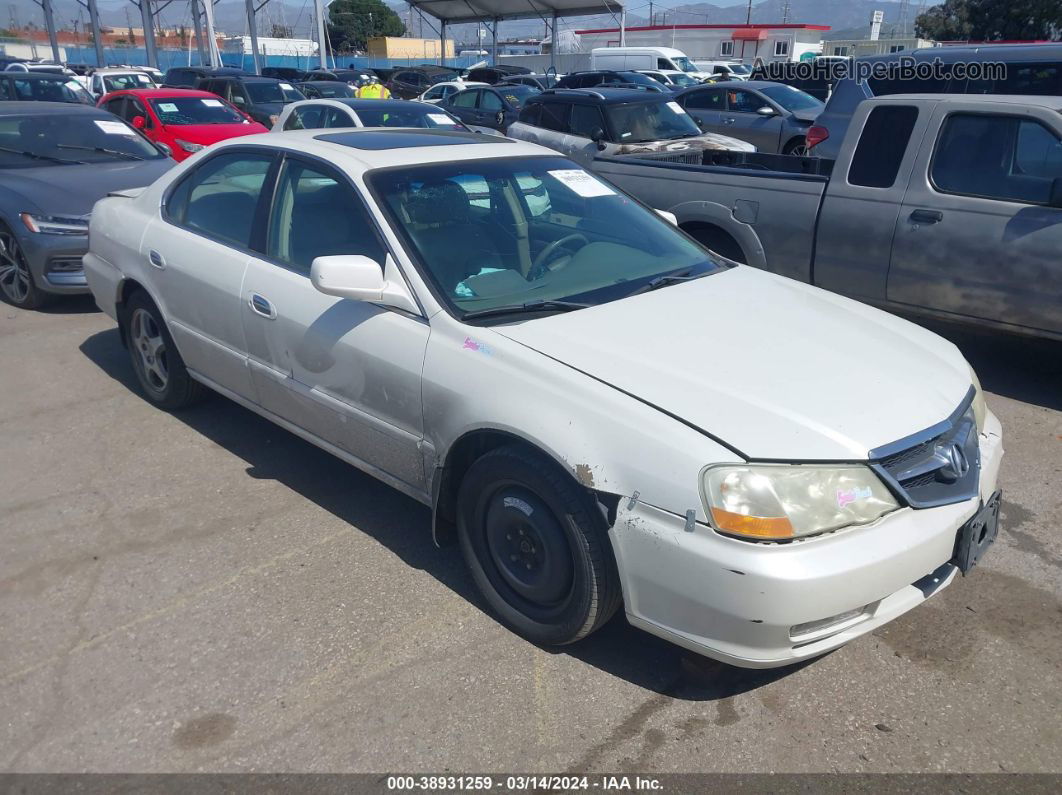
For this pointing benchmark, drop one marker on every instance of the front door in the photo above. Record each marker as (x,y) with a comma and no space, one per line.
(347,371)
(975,235)
(706,107)
(743,121)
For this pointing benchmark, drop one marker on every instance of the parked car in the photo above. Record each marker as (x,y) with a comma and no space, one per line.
(288,73)
(326,89)
(495,74)
(490,107)
(673,80)
(818,83)
(261,98)
(56,160)
(508,339)
(946,206)
(633,58)
(182,120)
(353,77)
(584,124)
(541,82)
(189,76)
(772,116)
(440,91)
(608,78)
(104,81)
(411,83)
(42,87)
(1033,69)
(39,67)
(724,70)
(316,113)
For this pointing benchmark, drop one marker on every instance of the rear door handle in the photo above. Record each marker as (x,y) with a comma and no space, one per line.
(261,306)
(156,259)
(927,216)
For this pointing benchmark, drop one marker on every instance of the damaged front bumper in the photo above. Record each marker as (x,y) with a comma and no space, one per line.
(766,605)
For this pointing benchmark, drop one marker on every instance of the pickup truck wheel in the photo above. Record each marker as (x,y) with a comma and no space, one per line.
(797,147)
(16,280)
(536,547)
(717,241)
(158,366)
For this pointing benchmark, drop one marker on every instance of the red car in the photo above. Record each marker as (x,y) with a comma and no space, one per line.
(184,120)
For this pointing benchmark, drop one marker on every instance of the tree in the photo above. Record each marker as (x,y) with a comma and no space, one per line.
(351,23)
(992,20)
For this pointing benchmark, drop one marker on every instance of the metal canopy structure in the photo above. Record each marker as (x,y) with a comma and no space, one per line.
(455,12)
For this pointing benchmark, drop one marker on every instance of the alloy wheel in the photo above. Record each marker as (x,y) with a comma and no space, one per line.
(15,279)
(145,337)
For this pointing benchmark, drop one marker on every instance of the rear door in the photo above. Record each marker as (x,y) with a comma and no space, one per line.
(976,236)
(463,105)
(491,110)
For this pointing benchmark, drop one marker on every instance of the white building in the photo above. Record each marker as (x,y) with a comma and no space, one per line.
(853,48)
(717,42)
(241,45)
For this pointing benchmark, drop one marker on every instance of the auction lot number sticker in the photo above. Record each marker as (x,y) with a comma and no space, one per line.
(522,783)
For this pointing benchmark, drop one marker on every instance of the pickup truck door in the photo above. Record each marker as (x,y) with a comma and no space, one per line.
(741,120)
(976,235)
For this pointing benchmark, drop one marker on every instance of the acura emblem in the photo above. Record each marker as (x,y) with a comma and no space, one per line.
(955,464)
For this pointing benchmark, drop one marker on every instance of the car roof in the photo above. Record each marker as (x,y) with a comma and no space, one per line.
(19,108)
(607,96)
(37,76)
(1049,102)
(165,93)
(761,84)
(369,104)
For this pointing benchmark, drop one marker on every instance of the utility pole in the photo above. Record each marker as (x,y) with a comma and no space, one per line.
(252,27)
(319,10)
(652,19)
(94,23)
(49,23)
(623,27)
(748,14)
(785,12)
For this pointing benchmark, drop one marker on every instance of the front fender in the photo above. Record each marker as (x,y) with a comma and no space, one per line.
(721,216)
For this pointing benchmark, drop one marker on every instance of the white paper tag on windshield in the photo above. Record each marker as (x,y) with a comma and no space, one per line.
(286,86)
(114,127)
(676,107)
(440,118)
(212,103)
(167,107)
(582,183)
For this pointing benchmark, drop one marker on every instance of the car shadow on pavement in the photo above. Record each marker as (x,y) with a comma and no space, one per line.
(70,305)
(404,526)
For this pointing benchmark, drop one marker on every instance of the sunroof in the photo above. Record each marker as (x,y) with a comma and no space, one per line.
(407,139)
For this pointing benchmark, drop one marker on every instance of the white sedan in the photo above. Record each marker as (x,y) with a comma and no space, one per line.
(341,112)
(596,409)
(440,91)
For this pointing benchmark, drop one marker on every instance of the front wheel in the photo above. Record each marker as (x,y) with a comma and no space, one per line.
(536,546)
(156,361)
(16,280)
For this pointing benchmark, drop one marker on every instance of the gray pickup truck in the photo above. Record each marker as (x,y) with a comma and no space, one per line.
(945,205)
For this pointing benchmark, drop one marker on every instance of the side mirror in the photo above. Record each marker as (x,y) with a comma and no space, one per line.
(671,218)
(597,135)
(360,278)
(237,100)
(766,110)
(499,118)
(139,122)
(1055,199)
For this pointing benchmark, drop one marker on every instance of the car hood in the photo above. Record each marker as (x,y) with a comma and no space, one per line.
(702,141)
(212,133)
(772,367)
(72,190)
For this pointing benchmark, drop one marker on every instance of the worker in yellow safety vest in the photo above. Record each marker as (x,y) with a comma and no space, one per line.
(374,90)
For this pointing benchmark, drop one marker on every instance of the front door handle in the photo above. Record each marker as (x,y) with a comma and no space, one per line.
(927,216)
(729,120)
(156,259)
(261,306)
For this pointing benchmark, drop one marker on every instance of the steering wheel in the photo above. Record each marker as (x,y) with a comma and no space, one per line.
(544,255)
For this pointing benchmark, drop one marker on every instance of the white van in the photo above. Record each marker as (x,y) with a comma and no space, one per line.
(641,58)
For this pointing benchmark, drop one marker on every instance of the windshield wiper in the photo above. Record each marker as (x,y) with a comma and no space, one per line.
(100,149)
(39,156)
(530,306)
(669,278)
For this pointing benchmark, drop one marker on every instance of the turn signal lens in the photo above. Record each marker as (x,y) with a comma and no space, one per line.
(775,502)
(816,134)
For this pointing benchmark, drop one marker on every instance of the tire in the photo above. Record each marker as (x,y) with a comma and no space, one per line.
(537,547)
(798,146)
(718,242)
(159,368)
(16,281)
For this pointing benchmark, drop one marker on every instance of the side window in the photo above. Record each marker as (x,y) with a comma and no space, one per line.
(219,197)
(882,145)
(6,90)
(531,113)
(554,116)
(134,109)
(334,117)
(317,215)
(489,101)
(744,101)
(115,106)
(585,119)
(466,99)
(706,100)
(1017,158)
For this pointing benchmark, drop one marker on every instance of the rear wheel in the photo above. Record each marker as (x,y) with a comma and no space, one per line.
(798,147)
(158,366)
(16,280)
(536,546)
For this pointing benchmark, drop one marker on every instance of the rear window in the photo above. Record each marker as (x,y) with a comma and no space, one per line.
(881,147)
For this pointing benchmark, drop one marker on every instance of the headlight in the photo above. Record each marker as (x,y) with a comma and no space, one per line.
(979,407)
(781,501)
(56,224)
(188,146)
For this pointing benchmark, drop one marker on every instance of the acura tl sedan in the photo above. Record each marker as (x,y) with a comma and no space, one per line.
(56,160)
(599,412)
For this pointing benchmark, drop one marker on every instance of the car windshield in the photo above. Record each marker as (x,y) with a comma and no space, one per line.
(195,110)
(334,89)
(35,140)
(683,80)
(791,98)
(509,231)
(427,116)
(58,90)
(123,82)
(739,68)
(684,63)
(640,122)
(638,77)
(272,92)
(517,95)
(441,77)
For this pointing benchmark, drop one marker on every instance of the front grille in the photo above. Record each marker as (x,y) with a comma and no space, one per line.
(942,469)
